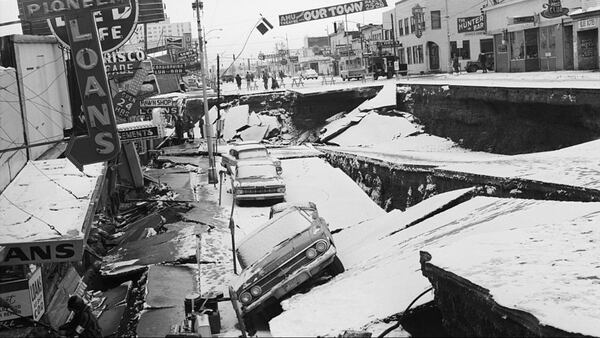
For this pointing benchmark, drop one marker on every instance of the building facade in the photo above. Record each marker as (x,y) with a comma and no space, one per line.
(586,23)
(431,32)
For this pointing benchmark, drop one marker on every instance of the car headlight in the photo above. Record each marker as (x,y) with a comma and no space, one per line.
(311,253)
(239,191)
(282,189)
(245,298)
(256,291)
(321,246)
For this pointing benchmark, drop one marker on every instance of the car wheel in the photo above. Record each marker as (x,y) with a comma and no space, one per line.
(336,267)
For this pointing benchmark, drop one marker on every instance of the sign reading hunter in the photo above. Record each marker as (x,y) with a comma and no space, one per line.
(102,142)
(471,24)
(115,25)
(331,11)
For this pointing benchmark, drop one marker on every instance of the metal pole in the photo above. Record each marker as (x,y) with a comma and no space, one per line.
(218,95)
(232,231)
(146,38)
(212,175)
(394,45)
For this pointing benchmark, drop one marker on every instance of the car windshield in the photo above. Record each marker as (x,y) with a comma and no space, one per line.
(262,241)
(256,171)
(242,155)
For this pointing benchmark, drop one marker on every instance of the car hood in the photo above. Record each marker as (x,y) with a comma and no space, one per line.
(258,182)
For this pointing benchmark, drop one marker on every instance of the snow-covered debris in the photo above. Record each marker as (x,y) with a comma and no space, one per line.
(235,118)
(541,257)
(375,129)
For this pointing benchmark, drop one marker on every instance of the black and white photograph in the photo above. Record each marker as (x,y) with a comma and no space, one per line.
(314,168)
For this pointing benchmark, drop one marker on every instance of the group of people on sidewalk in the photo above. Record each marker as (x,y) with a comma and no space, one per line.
(250,84)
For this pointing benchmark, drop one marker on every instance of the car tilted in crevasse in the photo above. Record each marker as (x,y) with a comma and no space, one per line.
(248,151)
(294,246)
(257,180)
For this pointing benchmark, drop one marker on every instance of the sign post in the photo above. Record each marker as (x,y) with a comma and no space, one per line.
(102,142)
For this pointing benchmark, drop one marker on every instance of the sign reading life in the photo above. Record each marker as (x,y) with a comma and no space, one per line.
(102,142)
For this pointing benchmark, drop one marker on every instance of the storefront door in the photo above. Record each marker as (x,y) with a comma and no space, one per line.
(434,56)
(568,48)
(587,42)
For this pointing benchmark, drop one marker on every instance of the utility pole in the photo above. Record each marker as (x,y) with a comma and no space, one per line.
(212,173)
(394,44)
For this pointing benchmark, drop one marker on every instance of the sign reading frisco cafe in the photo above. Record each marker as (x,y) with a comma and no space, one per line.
(331,11)
(102,142)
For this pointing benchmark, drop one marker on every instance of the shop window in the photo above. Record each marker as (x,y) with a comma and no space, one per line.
(409,55)
(501,44)
(466,50)
(531,43)
(453,49)
(400,28)
(436,20)
(402,56)
(547,38)
(420,56)
(517,45)
(406,27)
(412,24)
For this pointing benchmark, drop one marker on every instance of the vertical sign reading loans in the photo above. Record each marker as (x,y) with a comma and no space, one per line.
(102,142)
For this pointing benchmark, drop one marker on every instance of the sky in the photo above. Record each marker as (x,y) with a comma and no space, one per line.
(232,21)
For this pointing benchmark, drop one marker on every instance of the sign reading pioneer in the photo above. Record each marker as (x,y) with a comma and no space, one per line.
(471,24)
(330,11)
(79,19)
(115,25)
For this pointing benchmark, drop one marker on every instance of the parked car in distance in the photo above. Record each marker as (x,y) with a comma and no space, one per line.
(294,246)
(352,73)
(473,66)
(257,180)
(248,151)
(309,74)
(227,78)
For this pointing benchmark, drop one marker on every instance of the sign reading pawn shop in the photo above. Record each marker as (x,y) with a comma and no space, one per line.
(102,142)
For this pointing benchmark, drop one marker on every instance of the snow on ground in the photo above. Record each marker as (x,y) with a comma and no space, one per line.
(541,257)
(381,274)
(47,200)
(526,252)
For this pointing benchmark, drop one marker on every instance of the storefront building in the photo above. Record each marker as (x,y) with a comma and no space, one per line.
(586,22)
(533,35)
(430,32)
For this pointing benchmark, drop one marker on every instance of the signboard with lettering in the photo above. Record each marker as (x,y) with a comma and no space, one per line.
(123,63)
(102,142)
(294,58)
(554,9)
(330,11)
(174,41)
(139,134)
(156,103)
(522,19)
(171,68)
(417,12)
(36,294)
(115,26)
(588,23)
(471,24)
(388,44)
(42,252)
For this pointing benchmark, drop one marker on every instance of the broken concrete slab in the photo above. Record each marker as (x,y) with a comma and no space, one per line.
(178,179)
(111,319)
(235,118)
(172,246)
(254,133)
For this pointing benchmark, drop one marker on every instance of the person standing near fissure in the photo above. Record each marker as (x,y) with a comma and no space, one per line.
(265,78)
(248,81)
(83,323)
(238,81)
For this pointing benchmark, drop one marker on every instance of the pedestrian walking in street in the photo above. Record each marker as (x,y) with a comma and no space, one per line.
(483,62)
(455,64)
(238,81)
(178,130)
(281,75)
(265,79)
(83,323)
(274,84)
(189,127)
(248,81)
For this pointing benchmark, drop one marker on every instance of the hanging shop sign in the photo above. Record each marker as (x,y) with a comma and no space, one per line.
(26,296)
(171,68)
(138,131)
(115,25)
(102,142)
(123,63)
(126,102)
(388,44)
(174,41)
(158,103)
(293,58)
(330,11)
(417,12)
(554,9)
(471,24)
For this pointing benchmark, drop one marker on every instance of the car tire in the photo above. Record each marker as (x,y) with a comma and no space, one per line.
(336,267)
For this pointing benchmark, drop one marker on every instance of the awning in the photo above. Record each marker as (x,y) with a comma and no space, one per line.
(47,212)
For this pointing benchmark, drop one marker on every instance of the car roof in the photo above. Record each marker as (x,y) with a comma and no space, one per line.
(250,146)
(304,205)
(247,163)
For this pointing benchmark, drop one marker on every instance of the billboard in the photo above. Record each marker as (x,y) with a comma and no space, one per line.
(330,11)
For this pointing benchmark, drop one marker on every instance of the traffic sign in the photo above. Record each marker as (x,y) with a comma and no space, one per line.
(115,25)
